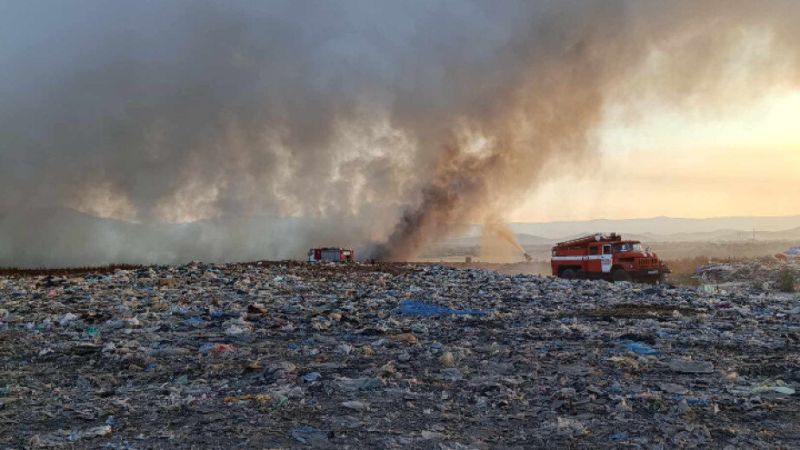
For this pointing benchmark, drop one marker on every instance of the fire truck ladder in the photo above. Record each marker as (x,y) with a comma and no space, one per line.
(589,239)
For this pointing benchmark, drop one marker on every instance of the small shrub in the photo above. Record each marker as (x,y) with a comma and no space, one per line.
(785,281)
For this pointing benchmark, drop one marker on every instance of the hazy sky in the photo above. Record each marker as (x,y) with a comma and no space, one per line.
(744,160)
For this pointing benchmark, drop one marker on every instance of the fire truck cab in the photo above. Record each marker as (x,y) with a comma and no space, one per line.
(331,254)
(609,257)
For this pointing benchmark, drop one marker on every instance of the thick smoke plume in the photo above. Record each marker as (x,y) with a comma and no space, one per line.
(265,127)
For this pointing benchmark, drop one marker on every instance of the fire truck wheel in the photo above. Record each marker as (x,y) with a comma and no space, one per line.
(568,274)
(621,275)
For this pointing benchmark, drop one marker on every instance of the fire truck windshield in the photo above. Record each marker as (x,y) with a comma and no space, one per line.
(628,247)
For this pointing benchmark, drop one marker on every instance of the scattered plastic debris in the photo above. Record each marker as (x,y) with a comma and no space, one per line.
(780,389)
(310,435)
(64,438)
(689,366)
(694,401)
(755,275)
(311,377)
(290,355)
(619,436)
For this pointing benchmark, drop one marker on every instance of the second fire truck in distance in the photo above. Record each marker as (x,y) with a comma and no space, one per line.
(331,254)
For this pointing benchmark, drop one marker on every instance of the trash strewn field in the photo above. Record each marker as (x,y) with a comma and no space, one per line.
(761,273)
(391,356)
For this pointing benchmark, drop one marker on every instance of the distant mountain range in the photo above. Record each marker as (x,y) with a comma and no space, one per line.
(657,229)
(64,237)
(721,235)
(663,226)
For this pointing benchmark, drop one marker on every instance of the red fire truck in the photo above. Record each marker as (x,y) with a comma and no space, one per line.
(601,256)
(331,254)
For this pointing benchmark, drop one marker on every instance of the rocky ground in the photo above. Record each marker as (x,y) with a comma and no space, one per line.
(391,356)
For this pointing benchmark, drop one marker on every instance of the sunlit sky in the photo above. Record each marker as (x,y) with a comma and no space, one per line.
(741,161)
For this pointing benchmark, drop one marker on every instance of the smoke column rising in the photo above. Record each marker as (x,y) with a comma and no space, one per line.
(361,121)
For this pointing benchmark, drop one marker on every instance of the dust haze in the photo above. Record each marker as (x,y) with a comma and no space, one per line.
(167,131)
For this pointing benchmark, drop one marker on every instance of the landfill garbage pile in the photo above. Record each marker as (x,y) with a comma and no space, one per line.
(291,355)
(762,273)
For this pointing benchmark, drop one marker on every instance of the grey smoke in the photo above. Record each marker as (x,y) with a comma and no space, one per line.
(277,125)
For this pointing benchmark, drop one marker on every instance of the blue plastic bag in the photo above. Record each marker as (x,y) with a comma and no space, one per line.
(415,308)
(640,348)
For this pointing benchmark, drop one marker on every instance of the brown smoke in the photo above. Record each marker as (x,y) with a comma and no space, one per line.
(553,109)
(278,125)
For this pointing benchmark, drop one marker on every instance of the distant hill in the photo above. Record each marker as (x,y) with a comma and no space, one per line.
(529,239)
(475,239)
(660,227)
(718,236)
(64,237)
(645,230)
